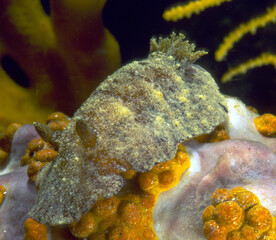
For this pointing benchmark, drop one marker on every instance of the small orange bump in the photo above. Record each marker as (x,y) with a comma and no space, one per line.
(160,167)
(107,223)
(131,197)
(3,156)
(270,235)
(130,212)
(219,135)
(36,144)
(34,230)
(148,200)
(234,235)
(11,129)
(204,138)
(129,174)
(247,199)
(149,234)
(45,155)
(2,194)
(213,231)
(181,157)
(7,136)
(237,190)
(58,126)
(229,215)
(166,178)
(56,116)
(248,233)
(148,180)
(118,233)
(208,213)
(97,236)
(84,227)
(25,160)
(34,168)
(259,218)
(266,125)
(106,207)
(221,195)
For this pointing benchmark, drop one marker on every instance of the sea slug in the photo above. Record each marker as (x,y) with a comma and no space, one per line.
(134,120)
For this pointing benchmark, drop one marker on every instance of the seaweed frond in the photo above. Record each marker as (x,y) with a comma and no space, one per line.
(176,46)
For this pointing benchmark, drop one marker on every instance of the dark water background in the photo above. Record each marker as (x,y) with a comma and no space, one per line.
(134,22)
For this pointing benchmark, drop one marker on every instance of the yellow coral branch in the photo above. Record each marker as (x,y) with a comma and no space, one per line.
(248,27)
(263,59)
(35,26)
(187,10)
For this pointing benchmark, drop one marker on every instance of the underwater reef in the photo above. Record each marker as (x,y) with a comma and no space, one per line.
(160,150)
(41,75)
(149,155)
(51,57)
(208,28)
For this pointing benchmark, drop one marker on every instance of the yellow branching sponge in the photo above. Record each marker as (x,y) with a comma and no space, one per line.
(262,60)
(64,56)
(249,27)
(187,10)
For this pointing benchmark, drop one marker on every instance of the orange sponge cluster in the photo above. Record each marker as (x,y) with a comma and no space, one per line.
(266,125)
(39,152)
(129,215)
(237,214)
(6,140)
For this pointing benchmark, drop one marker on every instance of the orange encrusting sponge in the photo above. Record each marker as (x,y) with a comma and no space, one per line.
(266,125)
(39,152)
(237,214)
(129,215)
(6,141)
(34,230)
(217,135)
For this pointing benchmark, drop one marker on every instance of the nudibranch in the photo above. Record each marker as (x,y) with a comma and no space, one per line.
(134,120)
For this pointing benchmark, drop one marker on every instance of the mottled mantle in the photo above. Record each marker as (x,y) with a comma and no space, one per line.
(135,119)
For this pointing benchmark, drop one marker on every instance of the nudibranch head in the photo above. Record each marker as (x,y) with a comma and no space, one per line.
(134,120)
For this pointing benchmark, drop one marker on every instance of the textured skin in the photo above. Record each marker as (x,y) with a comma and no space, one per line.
(142,111)
(134,119)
